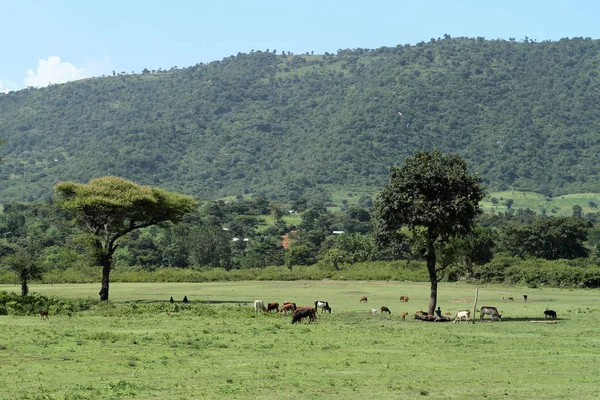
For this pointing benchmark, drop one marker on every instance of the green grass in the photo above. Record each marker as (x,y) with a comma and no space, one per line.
(217,347)
(558,206)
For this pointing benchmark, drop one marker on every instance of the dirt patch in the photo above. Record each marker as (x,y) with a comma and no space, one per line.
(461,300)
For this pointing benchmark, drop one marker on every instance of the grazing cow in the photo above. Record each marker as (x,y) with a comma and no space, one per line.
(524,297)
(374,311)
(403,315)
(550,314)
(404,299)
(287,307)
(384,309)
(171,300)
(304,312)
(466,314)
(273,306)
(511,298)
(44,314)
(259,304)
(185,299)
(363,299)
(323,305)
(491,311)
(289,302)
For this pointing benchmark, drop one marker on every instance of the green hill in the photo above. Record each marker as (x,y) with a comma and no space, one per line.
(524,114)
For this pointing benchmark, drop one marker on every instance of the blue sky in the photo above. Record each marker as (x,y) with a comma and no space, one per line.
(60,40)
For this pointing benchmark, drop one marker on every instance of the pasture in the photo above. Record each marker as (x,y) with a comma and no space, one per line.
(141,346)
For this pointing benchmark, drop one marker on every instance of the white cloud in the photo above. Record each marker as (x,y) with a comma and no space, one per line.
(7,86)
(53,70)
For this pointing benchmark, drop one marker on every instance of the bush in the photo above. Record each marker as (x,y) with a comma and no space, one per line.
(15,304)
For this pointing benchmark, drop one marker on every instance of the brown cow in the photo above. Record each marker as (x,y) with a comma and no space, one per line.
(404,299)
(272,306)
(289,302)
(403,315)
(287,307)
(44,314)
(363,299)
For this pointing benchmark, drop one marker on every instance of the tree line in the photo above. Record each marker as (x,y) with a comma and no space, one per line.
(428,211)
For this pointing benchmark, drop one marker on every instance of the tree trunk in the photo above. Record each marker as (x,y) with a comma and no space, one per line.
(24,287)
(431,261)
(106,262)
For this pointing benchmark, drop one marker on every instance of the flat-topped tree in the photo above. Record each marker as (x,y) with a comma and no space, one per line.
(111,207)
(436,197)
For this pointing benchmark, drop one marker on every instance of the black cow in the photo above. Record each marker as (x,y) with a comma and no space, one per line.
(550,314)
(304,313)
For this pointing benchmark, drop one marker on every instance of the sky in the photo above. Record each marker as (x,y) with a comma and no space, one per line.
(55,41)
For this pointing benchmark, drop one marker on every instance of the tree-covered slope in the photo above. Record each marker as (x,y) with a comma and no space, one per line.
(525,115)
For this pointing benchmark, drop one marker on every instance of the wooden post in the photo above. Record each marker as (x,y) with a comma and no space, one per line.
(475,304)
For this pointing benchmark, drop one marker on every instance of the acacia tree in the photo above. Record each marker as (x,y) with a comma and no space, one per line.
(436,197)
(111,207)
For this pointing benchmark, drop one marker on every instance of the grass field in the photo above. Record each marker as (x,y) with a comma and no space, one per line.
(217,347)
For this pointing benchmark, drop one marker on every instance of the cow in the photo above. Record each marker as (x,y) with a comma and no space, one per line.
(466,314)
(374,311)
(363,299)
(289,302)
(323,305)
(185,299)
(272,306)
(171,300)
(550,314)
(491,311)
(524,297)
(384,309)
(287,307)
(302,313)
(404,299)
(403,315)
(44,314)
(511,298)
(259,304)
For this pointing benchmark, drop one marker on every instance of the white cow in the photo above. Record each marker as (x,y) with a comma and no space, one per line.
(466,314)
(259,304)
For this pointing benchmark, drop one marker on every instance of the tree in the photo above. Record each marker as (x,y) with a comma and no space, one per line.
(550,238)
(111,207)
(494,201)
(508,203)
(435,196)
(26,266)
(577,210)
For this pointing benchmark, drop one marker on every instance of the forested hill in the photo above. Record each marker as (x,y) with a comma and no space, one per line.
(525,115)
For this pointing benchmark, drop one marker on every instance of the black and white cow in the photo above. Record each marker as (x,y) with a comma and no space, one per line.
(323,305)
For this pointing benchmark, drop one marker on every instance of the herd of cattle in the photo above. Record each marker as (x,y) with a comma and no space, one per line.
(310,313)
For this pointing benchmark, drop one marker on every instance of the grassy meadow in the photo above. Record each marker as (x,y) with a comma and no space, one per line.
(140,346)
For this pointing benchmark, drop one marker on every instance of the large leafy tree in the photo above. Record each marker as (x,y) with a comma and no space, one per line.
(111,207)
(436,197)
(551,238)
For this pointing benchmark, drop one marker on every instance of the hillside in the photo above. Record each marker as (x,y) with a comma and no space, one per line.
(524,114)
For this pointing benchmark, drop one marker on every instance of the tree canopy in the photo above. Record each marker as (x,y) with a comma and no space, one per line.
(110,207)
